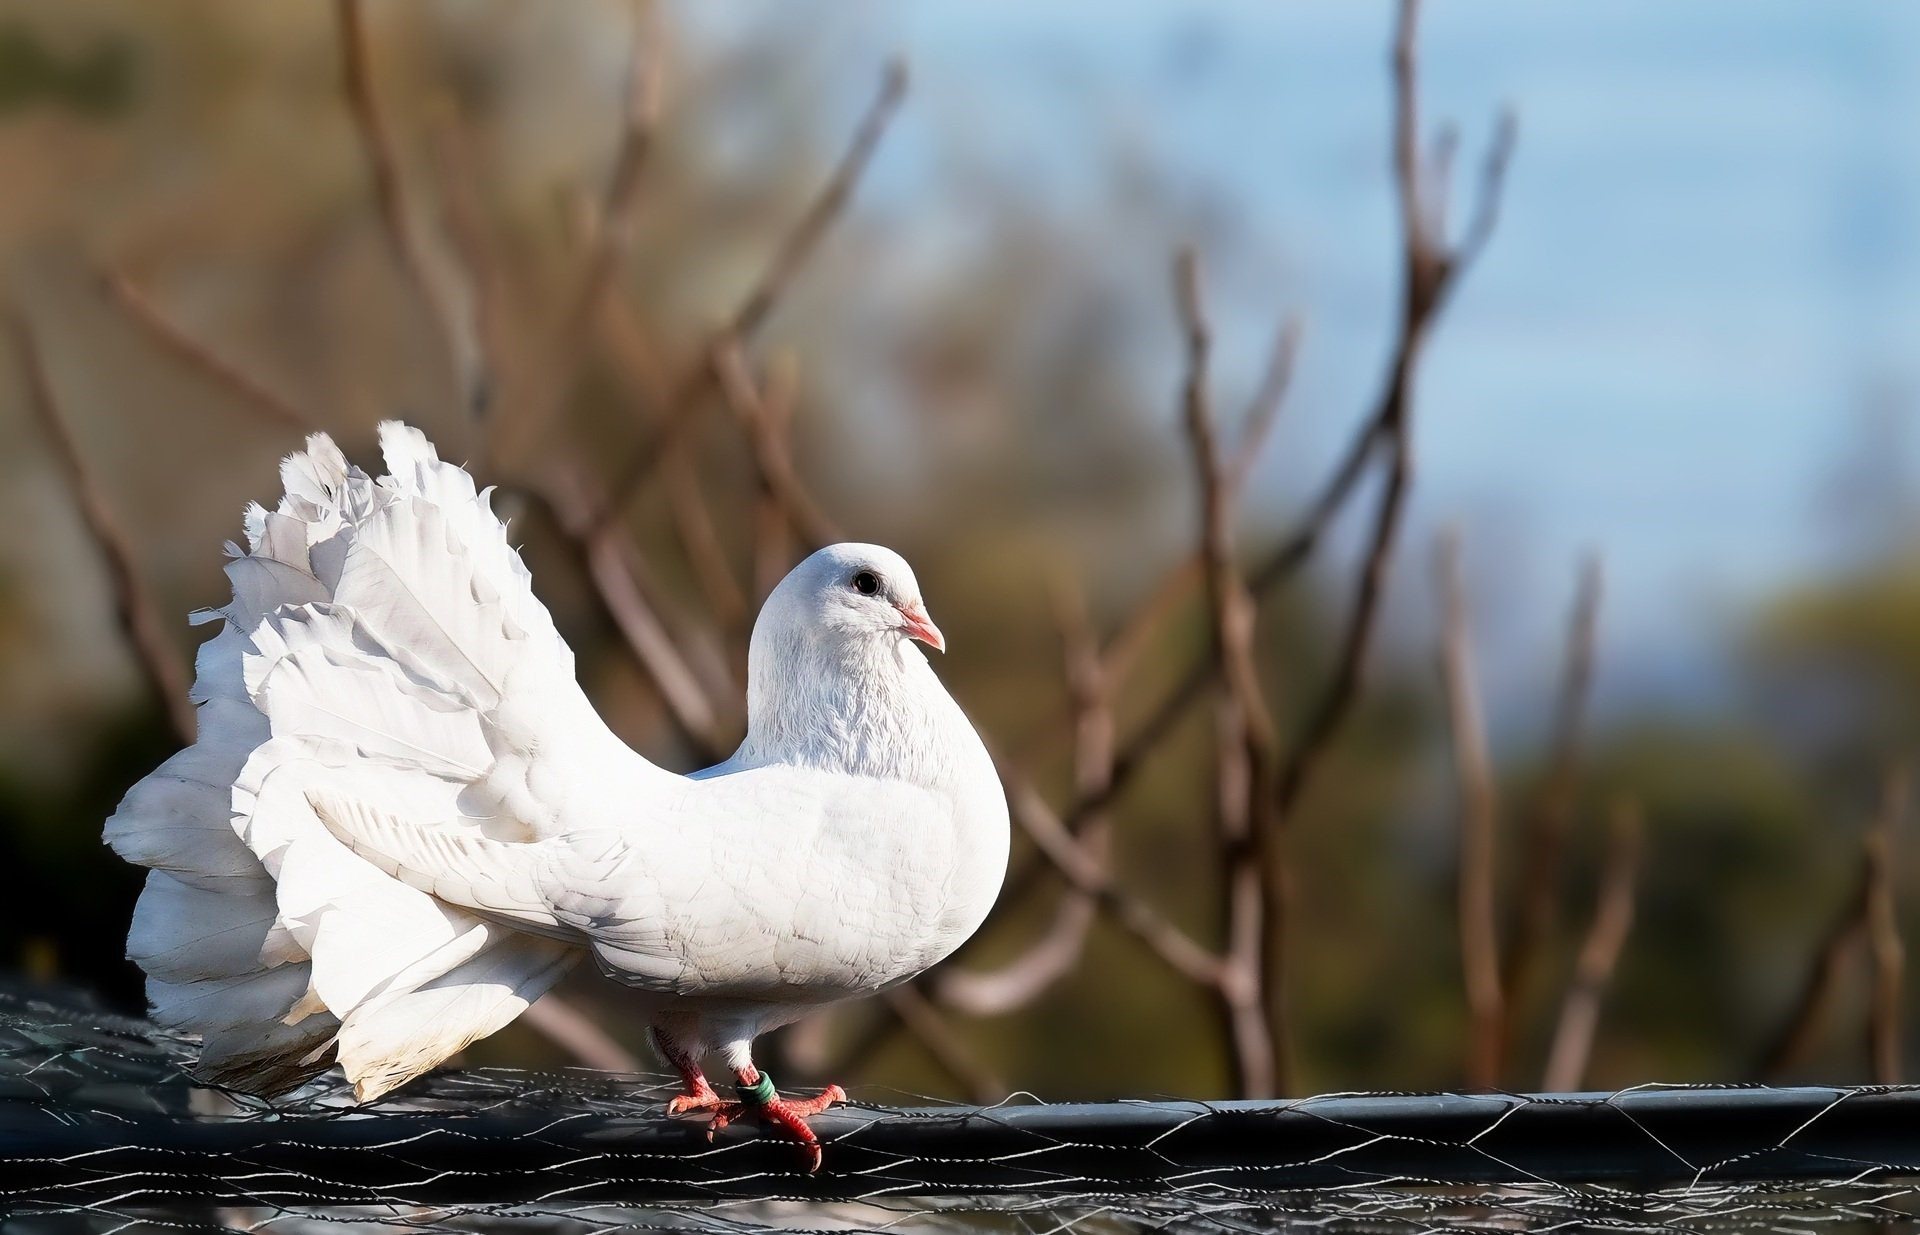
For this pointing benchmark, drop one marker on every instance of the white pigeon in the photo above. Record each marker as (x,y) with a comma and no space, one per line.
(403,821)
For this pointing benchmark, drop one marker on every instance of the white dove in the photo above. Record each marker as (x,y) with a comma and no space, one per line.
(403,821)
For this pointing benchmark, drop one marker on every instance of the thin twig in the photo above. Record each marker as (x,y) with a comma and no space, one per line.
(1800,1032)
(611,240)
(1128,643)
(1055,954)
(1264,410)
(700,542)
(159,660)
(1427,277)
(254,395)
(1244,732)
(571,1029)
(1228,599)
(1573,1036)
(1884,946)
(1550,821)
(1479,941)
(451,308)
(1428,273)
(758,303)
(924,1022)
(465,222)
(1428,270)
(773,550)
(607,554)
(1083,871)
(771,456)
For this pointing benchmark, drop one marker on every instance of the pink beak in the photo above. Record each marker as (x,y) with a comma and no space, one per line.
(914,620)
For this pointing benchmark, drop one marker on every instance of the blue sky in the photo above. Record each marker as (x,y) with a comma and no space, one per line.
(1702,285)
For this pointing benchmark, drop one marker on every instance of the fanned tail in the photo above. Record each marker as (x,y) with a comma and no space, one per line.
(383,643)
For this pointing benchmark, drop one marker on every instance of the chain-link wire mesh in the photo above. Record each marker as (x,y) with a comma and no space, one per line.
(100,1130)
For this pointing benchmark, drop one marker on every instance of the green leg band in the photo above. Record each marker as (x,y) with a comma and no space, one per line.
(759,1093)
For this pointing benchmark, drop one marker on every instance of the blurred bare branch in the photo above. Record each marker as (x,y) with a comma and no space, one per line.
(764,423)
(773,542)
(253,394)
(1549,822)
(571,1029)
(611,239)
(1428,269)
(160,662)
(450,306)
(911,1008)
(1244,733)
(1573,1036)
(1128,643)
(1479,808)
(745,321)
(1868,912)
(1428,272)
(608,554)
(1264,410)
(1057,951)
(1885,948)
(1088,874)
(473,248)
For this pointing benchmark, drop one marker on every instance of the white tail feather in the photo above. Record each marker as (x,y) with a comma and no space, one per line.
(375,631)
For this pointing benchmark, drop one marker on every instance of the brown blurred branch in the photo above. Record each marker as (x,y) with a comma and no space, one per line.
(158,659)
(612,237)
(1130,641)
(764,421)
(1429,272)
(1018,982)
(451,308)
(927,1026)
(608,555)
(1244,733)
(700,542)
(1573,1036)
(1264,410)
(464,220)
(1884,946)
(254,395)
(1479,806)
(1550,821)
(773,541)
(572,1030)
(1088,874)
(751,313)
(1867,913)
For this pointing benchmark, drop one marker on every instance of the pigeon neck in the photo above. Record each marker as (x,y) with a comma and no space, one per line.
(864,707)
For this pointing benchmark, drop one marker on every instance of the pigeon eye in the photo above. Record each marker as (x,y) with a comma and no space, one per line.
(866,583)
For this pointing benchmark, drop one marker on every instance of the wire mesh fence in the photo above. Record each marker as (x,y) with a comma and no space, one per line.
(101,1130)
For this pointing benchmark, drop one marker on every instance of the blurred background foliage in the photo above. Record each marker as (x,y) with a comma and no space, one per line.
(996,399)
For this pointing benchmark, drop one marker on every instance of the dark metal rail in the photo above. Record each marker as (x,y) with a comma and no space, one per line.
(69,1154)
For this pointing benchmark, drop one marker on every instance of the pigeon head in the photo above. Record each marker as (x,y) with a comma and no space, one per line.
(833,678)
(859,594)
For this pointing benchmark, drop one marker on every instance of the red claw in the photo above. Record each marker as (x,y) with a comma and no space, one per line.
(786,1116)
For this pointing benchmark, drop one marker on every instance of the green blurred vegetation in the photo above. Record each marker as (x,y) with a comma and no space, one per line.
(990,411)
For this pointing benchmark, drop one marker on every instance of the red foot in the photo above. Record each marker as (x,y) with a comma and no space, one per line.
(787,1116)
(700,1097)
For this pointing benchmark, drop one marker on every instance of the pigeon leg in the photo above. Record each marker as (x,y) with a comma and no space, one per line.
(700,1095)
(787,1115)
